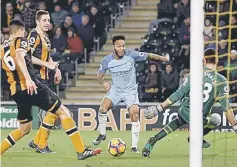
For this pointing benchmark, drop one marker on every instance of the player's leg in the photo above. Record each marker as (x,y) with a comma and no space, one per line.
(50,102)
(15,135)
(72,131)
(132,104)
(24,117)
(43,133)
(172,126)
(111,99)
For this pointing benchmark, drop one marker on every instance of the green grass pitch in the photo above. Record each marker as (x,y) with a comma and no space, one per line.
(172,151)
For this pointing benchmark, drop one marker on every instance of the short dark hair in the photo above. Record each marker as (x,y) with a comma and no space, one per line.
(40,13)
(15,25)
(210,56)
(118,37)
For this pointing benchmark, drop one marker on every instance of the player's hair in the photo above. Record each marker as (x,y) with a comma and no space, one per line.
(210,56)
(40,13)
(118,37)
(15,25)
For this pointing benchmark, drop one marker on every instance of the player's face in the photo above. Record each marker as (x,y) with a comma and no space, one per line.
(44,23)
(119,47)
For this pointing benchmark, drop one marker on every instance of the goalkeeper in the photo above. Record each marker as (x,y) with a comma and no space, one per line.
(214,88)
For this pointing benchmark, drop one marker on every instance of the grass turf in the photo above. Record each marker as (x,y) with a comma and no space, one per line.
(170,152)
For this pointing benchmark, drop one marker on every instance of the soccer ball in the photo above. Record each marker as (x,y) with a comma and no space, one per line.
(116,147)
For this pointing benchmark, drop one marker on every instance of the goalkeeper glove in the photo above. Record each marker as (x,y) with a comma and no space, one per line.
(235,128)
(152,111)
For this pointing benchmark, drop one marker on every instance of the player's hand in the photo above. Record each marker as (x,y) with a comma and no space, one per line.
(152,111)
(52,65)
(107,86)
(57,76)
(31,87)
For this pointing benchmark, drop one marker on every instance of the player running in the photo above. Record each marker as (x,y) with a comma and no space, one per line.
(40,46)
(27,91)
(121,64)
(215,87)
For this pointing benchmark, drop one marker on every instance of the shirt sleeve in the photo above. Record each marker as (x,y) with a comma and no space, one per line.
(21,43)
(181,92)
(138,56)
(103,66)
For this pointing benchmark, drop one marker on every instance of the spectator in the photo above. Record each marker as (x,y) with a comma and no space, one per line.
(169,80)
(41,5)
(183,10)
(7,16)
(86,33)
(98,23)
(67,24)
(19,5)
(152,80)
(50,31)
(59,40)
(234,30)
(28,14)
(233,63)
(50,5)
(183,74)
(166,9)
(76,14)
(58,16)
(184,35)
(222,49)
(208,27)
(74,42)
(68,5)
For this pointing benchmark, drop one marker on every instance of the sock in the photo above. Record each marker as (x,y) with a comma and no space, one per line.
(206,131)
(71,129)
(172,126)
(45,129)
(135,133)
(11,139)
(102,123)
(37,136)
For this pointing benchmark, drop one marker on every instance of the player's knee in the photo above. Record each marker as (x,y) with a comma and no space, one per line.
(134,113)
(25,128)
(63,112)
(102,110)
(215,119)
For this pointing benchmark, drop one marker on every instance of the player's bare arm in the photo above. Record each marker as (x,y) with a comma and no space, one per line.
(100,78)
(20,60)
(158,57)
(50,65)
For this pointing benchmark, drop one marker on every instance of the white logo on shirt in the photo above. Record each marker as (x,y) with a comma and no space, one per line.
(141,54)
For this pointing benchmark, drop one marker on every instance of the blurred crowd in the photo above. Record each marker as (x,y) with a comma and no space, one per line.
(76,23)
(170,33)
(74,27)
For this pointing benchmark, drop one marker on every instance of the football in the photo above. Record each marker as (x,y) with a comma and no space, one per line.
(116,147)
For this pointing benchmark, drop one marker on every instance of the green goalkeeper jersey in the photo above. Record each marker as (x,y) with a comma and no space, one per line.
(215,89)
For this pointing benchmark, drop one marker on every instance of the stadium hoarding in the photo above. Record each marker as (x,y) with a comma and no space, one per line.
(118,119)
(8,119)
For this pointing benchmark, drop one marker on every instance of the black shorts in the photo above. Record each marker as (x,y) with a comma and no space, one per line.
(45,99)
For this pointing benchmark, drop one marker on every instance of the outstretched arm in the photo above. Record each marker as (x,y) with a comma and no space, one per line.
(184,89)
(158,57)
